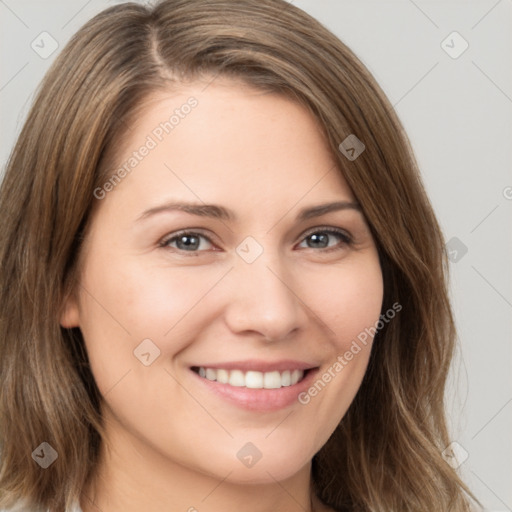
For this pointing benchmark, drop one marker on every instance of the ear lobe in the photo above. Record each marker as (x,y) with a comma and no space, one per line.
(70,316)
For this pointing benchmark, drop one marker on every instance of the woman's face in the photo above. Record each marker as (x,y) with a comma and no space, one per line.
(266,291)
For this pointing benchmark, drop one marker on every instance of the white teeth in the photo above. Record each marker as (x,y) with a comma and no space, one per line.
(272,380)
(222,376)
(236,378)
(253,379)
(296,376)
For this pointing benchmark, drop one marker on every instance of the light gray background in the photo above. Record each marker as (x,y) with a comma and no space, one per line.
(457,112)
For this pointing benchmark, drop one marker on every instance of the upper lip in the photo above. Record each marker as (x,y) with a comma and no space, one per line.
(259,365)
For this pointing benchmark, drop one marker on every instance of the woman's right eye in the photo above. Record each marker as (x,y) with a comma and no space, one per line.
(186,241)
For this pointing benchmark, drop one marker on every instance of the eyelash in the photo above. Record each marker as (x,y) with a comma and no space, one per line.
(345,239)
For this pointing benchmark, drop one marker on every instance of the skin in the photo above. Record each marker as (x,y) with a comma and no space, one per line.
(171,443)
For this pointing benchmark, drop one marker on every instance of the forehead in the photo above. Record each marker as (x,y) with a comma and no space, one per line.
(226,142)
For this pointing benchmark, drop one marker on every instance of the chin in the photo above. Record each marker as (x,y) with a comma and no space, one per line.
(278,466)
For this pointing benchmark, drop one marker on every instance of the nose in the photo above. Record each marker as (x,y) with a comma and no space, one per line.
(262,299)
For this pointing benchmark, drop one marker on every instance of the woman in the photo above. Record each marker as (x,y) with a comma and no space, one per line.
(223,284)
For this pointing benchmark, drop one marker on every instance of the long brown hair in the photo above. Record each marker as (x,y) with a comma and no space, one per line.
(386,452)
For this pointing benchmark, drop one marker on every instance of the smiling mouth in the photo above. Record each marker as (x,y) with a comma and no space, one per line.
(252,379)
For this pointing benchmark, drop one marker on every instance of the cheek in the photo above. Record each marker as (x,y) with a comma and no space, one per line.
(123,304)
(160,302)
(350,309)
(347,299)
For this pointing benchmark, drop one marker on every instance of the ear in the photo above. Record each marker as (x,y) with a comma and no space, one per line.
(70,316)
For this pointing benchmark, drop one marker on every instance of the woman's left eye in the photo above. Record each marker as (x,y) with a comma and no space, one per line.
(191,242)
(319,239)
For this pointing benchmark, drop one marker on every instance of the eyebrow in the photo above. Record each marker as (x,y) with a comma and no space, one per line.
(219,212)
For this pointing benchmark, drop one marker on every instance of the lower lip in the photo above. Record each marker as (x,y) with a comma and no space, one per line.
(261,400)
